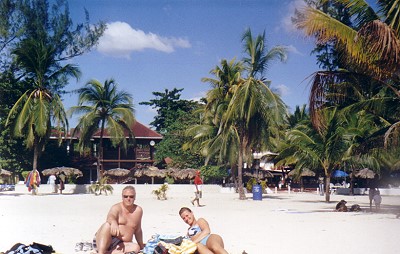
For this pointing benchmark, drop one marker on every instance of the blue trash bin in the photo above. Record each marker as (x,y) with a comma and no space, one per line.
(257,192)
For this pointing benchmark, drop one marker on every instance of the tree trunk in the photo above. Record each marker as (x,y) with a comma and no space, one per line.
(100,156)
(352,183)
(35,155)
(242,196)
(327,188)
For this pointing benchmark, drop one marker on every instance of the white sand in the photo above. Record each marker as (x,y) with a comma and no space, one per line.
(280,223)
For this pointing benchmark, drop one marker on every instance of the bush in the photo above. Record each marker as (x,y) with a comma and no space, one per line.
(161,192)
(212,174)
(253,181)
(98,187)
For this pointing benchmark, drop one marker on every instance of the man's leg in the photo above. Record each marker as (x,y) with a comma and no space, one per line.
(103,238)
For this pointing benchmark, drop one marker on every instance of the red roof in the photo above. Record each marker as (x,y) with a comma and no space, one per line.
(139,130)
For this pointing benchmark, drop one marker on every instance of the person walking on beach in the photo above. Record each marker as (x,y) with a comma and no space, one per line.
(123,221)
(199,232)
(198,192)
(33,181)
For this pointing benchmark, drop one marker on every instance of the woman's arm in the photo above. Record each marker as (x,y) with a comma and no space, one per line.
(205,230)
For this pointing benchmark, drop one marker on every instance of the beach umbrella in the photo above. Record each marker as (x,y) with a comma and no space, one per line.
(364,173)
(261,174)
(67,170)
(181,174)
(4,172)
(117,172)
(339,173)
(302,172)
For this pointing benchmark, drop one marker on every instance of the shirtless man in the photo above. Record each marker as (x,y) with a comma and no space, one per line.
(123,221)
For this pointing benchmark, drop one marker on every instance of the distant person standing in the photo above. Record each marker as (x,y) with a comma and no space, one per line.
(52,182)
(377,199)
(33,181)
(62,177)
(198,192)
(321,185)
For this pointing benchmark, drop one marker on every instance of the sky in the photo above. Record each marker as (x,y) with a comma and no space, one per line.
(153,45)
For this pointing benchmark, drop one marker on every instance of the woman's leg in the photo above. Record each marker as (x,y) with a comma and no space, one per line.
(202,249)
(216,244)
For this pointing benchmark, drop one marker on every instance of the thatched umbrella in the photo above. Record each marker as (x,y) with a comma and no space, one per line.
(300,173)
(118,172)
(261,174)
(67,170)
(364,173)
(188,173)
(4,172)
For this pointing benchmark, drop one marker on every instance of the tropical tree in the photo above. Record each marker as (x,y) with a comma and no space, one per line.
(102,106)
(337,143)
(39,106)
(370,47)
(34,42)
(169,106)
(246,111)
(216,144)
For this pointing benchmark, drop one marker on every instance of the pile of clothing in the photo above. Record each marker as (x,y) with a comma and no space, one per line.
(169,244)
(34,248)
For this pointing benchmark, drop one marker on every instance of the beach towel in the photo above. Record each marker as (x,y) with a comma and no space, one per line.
(34,248)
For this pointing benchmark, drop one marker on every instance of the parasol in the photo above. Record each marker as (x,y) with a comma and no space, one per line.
(339,173)
(151,172)
(261,174)
(187,173)
(4,172)
(67,170)
(364,173)
(302,172)
(117,172)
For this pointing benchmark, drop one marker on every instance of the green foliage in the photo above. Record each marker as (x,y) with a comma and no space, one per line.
(169,108)
(101,186)
(253,181)
(103,106)
(169,180)
(25,174)
(174,117)
(213,173)
(36,39)
(161,192)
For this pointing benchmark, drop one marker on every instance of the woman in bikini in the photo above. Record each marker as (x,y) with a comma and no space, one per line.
(199,232)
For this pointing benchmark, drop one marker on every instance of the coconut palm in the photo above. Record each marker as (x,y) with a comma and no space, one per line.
(371,47)
(102,106)
(40,106)
(208,137)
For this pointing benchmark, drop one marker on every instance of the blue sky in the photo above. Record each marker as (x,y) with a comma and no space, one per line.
(153,45)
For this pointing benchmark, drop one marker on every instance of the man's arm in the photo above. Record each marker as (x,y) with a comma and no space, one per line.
(112,219)
(138,231)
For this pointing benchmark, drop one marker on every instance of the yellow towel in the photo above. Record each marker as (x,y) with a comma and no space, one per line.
(186,247)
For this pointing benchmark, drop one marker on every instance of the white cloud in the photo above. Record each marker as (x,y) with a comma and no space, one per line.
(286,22)
(282,89)
(294,50)
(120,40)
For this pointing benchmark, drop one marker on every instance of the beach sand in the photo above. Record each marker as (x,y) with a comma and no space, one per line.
(279,223)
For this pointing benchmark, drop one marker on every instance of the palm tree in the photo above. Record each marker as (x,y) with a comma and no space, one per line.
(102,106)
(255,112)
(258,57)
(371,47)
(208,137)
(40,106)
